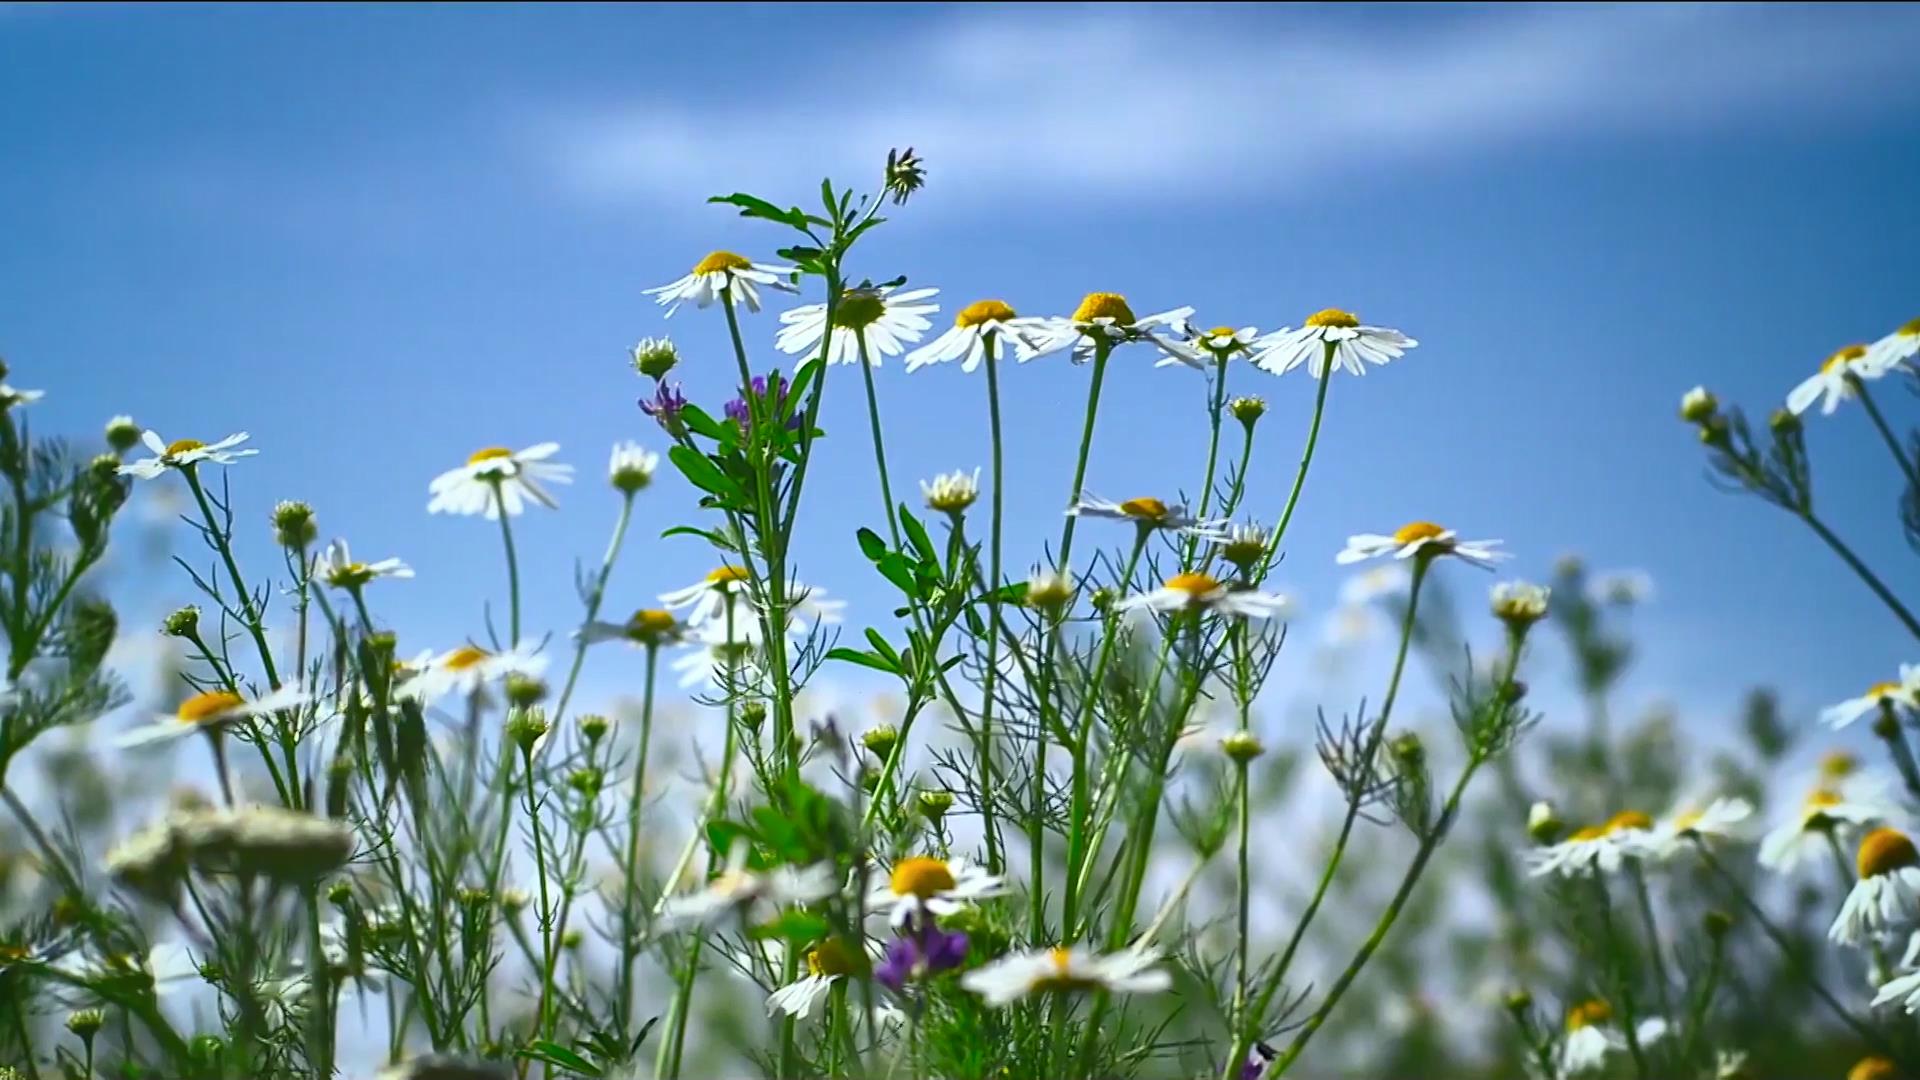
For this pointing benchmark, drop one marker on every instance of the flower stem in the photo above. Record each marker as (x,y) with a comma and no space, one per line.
(629,896)
(513,565)
(879,440)
(1306,460)
(1102,348)
(594,600)
(1861,570)
(1907,466)
(1214,409)
(994,570)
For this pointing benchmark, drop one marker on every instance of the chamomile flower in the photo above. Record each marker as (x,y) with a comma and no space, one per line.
(465,670)
(497,476)
(1602,847)
(827,962)
(11,396)
(1896,348)
(1835,806)
(710,598)
(1719,819)
(887,320)
(183,453)
(209,711)
(1591,1036)
(950,493)
(1423,539)
(1904,693)
(1196,591)
(648,628)
(1066,969)
(937,886)
(1197,348)
(1330,338)
(1887,895)
(1833,383)
(1244,545)
(336,567)
(740,890)
(1146,512)
(722,275)
(630,468)
(977,325)
(1105,317)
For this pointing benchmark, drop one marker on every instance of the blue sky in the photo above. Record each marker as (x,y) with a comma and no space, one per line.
(380,238)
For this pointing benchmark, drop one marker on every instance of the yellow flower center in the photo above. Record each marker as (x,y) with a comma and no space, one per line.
(727,575)
(1588,1013)
(1222,331)
(1415,531)
(859,309)
(1874,1068)
(464,657)
(1059,979)
(921,876)
(12,954)
(198,708)
(1838,763)
(650,623)
(1814,817)
(1881,691)
(1685,821)
(1910,328)
(1104,305)
(1629,819)
(1334,317)
(1193,583)
(491,453)
(981,312)
(833,957)
(1885,850)
(1148,509)
(719,261)
(181,446)
(1590,833)
(1842,357)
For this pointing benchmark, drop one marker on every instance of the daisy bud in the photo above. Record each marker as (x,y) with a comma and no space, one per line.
(1049,592)
(1248,410)
(525,726)
(1512,692)
(1103,599)
(1713,431)
(1520,604)
(122,434)
(869,780)
(1519,1001)
(340,894)
(1784,422)
(104,469)
(594,727)
(525,690)
(1716,924)
(935,804)
(87,1023)
(184,623)
(1697,405)
(631,469)
(906,174)
(1408,750)
(1242,747)
(753,714)
(572,939)
(881,740)
(654,357)
(951,493)
(1245,545)
(293,524)
(473,896)
(1543,825)
(514,901)
(586,781)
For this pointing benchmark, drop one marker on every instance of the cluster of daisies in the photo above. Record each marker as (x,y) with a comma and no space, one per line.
(1842,376)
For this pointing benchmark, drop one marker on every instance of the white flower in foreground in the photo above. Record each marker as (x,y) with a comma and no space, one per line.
(937,886)
(337,568)
(11,396)
(182,453)
(710,598)
(1352,345)
(517,476)
(739,890)
(1597,847)
(1906,693)
(1422,538)
(950,493)
(1104,317)
(1833,383)
(1377,583)
(465,670)
(1896,348)
(630,468)
(827,962)
(1148,513)
(1591,1036)
(209,711)
(1195,591)
(888,320)
(1887,895)
(646,628)
(1066,969)
(1833,807)
(977,325)
(722,274)
(1718,820)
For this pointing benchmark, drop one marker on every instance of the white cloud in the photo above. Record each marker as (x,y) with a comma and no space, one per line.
(1150,103)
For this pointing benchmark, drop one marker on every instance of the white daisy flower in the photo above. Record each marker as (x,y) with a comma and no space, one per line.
(708,665)
(1905,693)
(976,325)
(827,962)
(950,493)
(1066,969)
(1886,897)
(469,489)
(1591,1036)
(1195,591)
(1147,513)
(1104,316)
(1833,383)
(182,453)
(1420,538)
(647,628)
(1352,345)
(1519,602)
(1197,347)
(630,468)
(1243,545)
(1832,807)
(742,891)
(1896,348)
(722,274)
(709,599)
(337,568)
(937,886)
(1597,847)
(1719,819)
(889,320)
(209,711)
(11,396)
(463,671)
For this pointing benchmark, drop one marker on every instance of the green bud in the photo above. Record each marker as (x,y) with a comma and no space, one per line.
(525,691)
(525,727)
(184,623)
(340,894)
(86,1023)
(1408,750)
(586,781)
(1716,923)
(935,804)
(594,727)
(654,357)
(1103,599)
(1242,746)
(1247,410)
(122,434)
(474,896)
(514,901)
(572,940)
(293,525)
(1519,1000)
(1713,431)
(1698,405)
(1543,825)
(1784,422)
(869,780)
(881,740)
(753,714)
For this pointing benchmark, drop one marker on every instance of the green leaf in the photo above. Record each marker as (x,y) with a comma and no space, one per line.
(553,1053)
(711,537)
(795,928)
(702,473)
(898,569)
(753,206)
(722,835)
(868,660)
(700,422)
(917,536)
(871,545)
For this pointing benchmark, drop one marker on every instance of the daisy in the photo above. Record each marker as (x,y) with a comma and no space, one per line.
(498,476)
(1195,591)
(337,568)
(1148,513)
(1422,538)
(1596,847)
(710,598)
(1103,317)
(630,468)
(209,711)
(937,886)
(10,396)
(647,628)
(1878,696)
(1519,603)
(977,325)
(722,274)
(1330,338)
(827,963)
(950,493)
(1896,348)
(889,321)
(1196,346)
(1719,819)
(1829,808)
(183,454)
(1887,895)
(739,890)
(1833,383)
(1066,969)
(1591,1036)
(1243,545)
(465,670)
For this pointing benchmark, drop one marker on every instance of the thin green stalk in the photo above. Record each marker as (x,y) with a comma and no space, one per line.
(1861,570)
(1242,882)
(1907,467)
(513,563)
(320,1019)
(1102,348)
(630,894)
(879,440)
(1215,407)
(543,1021)
(1644,900)
(1300,475)
(594,600)
(221,542)
(1889,729)
(1629,1015)
(989,680)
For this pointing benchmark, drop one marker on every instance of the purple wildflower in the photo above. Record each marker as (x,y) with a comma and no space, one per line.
(925,950)
(1257,1061)
(773,402)
(665,405)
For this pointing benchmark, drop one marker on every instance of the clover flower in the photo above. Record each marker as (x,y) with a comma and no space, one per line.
(665,406)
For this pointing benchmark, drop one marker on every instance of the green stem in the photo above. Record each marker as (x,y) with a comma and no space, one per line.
(1215,407)
(1907,467)
(513,563)
(1102,348)
(543,1020)
(1629,1014)
(1306,460)
(630,897)
(222,543)
(879,440)
(1644,900)
(990,678)
(594,600)
(1860,569)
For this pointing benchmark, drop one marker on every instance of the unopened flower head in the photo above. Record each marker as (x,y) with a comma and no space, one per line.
(876,319)
(722,275)
(1049,591)
(1248,410)
(880,740)
(1241,746)
(524,689)
(1330,338)
(933,805)
(1193,590)
(1065,970)
(526,727)
(1422,539)
(906,173)
(122,434)
(1698,404)
(630,469)
(951,493)
(293,524)
(1520,604)
(654,357)
(338,568)
(183,623)
(1244,545)
(496,477)
(1543,824)
(86,1023)
(978,327)
(183,454)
